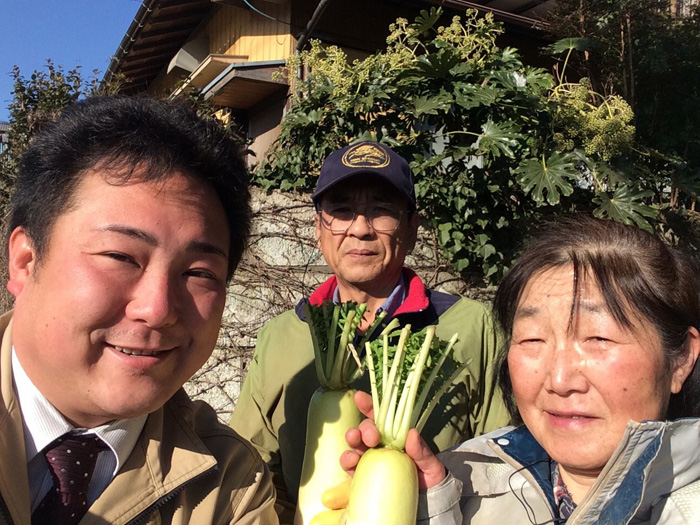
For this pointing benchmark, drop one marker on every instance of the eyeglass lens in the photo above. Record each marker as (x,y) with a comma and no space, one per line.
(339,219)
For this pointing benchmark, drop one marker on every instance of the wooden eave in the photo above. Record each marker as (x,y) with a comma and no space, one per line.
(158,31)
(243,85)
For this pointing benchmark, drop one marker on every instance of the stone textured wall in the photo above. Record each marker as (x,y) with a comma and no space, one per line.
(283,265)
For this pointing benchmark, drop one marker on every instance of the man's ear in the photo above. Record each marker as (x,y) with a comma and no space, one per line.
(413,229)
(685,367)
(317,223)
(21,260)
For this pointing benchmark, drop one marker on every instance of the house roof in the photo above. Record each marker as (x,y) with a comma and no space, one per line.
(161,27)
(158,31)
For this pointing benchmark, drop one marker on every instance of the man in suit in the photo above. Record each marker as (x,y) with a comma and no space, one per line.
(128,219)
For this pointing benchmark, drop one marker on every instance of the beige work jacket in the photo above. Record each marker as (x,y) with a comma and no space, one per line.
(186,468)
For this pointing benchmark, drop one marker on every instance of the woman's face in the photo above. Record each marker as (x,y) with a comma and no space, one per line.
(578,383)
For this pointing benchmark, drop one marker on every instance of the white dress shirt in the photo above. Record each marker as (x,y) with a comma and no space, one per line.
(43,424)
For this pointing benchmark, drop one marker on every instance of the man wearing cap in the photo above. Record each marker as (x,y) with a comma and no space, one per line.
(366,223)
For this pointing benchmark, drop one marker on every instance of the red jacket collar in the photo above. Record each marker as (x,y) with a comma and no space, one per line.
(416,295)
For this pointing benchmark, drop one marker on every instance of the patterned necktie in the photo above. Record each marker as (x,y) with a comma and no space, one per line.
(71,462)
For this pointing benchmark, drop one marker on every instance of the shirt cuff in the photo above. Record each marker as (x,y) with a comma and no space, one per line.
(440,504)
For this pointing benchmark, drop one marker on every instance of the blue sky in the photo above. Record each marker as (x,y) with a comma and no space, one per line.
(83,33)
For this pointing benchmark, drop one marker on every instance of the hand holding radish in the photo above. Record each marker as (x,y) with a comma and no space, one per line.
(389,461)
(430,470)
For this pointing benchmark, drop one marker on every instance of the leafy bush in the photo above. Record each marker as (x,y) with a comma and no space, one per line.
(495,144)
(37,101)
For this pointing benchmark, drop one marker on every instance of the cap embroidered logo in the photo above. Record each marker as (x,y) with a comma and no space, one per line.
(366,156)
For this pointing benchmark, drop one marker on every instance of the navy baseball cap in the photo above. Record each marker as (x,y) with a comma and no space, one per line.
(368,158)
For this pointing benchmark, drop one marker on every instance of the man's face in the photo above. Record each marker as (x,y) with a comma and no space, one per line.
(362,257)
(126,302)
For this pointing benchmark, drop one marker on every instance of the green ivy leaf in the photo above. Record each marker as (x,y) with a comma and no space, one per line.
(461,265)
(483,247)
(540,177)
(445,230)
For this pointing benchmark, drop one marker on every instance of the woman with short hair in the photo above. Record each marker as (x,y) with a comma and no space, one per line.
(599,367)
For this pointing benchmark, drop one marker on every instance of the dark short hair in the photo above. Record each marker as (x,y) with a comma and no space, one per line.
(126,135)
(639,276)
